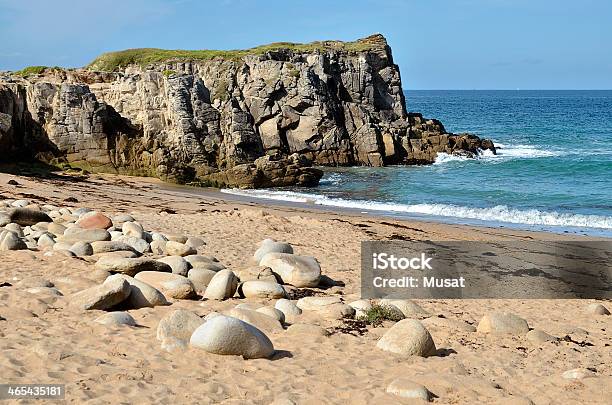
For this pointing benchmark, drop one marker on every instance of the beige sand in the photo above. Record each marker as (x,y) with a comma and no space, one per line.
(42,341)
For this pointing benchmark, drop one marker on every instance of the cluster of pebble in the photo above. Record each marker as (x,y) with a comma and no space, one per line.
(147,269)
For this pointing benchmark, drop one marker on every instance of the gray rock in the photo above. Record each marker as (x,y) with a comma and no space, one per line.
(538,336)
(15,228)
(408,337)
(261,321)
(158,247)
(230,336)
(261,289)
(405,388)
(578,374)
(288,308)
(130,267)
(138,244)
(25,216)
(272,312)
(179,324)
(200,278)
(110,246)
(179,249)
(271,246)
(73,235)
(222,285)
(45,241)
(195,242)
(110,293)
(133,229)
(597,309)
(299,271)
(10,241)
(409,308)
(329,307)
(82,249)
(195,259)
(120,219)
(503,322)
(116,319)
(143,295)
(303,329)
(177,264)
(172,285)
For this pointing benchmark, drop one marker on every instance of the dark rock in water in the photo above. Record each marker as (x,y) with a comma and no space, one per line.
(28,217)
(12,182)
(256,119)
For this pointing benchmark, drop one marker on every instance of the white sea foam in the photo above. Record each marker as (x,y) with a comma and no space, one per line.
(504,152)
(499,213)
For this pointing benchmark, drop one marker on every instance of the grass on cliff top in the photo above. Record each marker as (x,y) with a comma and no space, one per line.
(35,70)
(113,61)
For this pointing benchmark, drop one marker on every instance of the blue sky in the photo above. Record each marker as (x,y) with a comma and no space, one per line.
(438,44)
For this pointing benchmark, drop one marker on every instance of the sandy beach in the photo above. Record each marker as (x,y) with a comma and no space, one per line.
(44,340)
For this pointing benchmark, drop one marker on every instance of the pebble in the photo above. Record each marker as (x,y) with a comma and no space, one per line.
(106,295)
(261,289)
(76,234)
(158,247)
(272,312)
(271,246)
(332,307)
(230,336)
(45,241)
(538,336)
(578,374)
(143,295)
(138,244)
(200,278)
(361,307)
(597,309)
(409,308)
(25,216)
(223,285)
(81,249)
(94,220)
(299,271)
(302,329)
(406,388)
(288,308)
(177,264)
(133,229)
(130,266)
(179,324)
(10,241)
(195,242)
(179,249)
(503,322)
(408,337)
(170,284)
(107,246)
(116,319)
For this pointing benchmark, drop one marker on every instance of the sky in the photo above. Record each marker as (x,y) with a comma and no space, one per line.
(438,44)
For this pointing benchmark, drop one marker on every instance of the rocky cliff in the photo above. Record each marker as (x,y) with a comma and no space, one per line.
(252,118)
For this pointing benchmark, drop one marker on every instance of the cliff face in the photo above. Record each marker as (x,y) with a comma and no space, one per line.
(248,120)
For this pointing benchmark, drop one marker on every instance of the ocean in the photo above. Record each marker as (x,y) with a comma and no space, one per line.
(553,170)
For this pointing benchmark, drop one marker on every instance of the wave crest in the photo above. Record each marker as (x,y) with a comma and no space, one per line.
(498,213)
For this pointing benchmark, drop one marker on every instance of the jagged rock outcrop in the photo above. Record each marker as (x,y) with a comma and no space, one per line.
(255,118)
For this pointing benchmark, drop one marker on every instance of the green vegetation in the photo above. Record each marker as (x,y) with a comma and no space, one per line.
(379,313)
(113,61)
(220,91)
(31,70)
(168,72)
(37,70)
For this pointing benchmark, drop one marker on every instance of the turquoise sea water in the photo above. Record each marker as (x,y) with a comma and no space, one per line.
(553,170)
